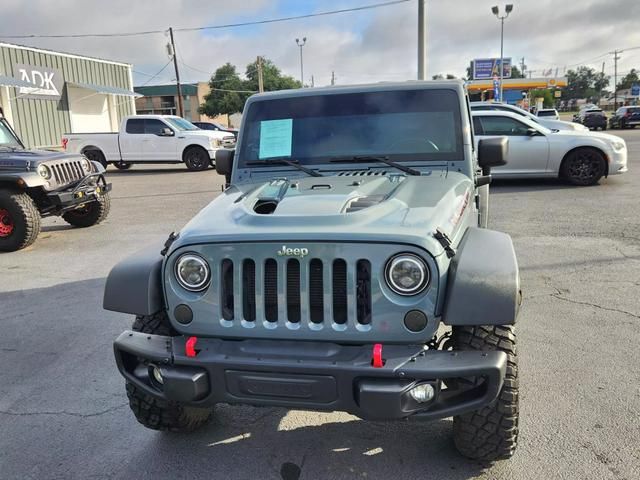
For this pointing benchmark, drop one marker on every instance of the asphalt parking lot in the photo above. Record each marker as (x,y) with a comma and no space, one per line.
(63,410)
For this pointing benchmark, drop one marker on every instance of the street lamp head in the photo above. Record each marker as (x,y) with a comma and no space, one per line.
(495,10)
(508,8)
(304,39)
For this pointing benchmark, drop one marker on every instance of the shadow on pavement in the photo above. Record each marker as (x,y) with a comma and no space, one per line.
(348,448)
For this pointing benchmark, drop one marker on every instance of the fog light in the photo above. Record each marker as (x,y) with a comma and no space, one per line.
(422,393)
(156,374)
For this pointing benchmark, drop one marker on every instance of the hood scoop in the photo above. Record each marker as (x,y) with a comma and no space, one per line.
(270,196)
(364,202)
(362,173)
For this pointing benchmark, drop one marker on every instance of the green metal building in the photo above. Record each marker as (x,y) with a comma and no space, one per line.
(45,94)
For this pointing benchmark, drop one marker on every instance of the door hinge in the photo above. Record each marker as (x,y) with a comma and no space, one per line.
(445,241)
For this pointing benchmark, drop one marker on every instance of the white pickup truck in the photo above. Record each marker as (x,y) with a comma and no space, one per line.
(151,139)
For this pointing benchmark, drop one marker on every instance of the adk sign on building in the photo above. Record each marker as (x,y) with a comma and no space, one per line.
(47,82)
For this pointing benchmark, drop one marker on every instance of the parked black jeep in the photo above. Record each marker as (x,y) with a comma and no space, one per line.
(39,183)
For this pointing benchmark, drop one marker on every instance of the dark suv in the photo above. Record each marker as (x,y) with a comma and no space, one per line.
(625,117)
(593,119)
(217,127)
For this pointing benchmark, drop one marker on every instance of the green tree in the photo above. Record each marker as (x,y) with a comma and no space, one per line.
(271,75)
(439,76)
(601,82)
(224,99)
(580,83)
(515,72)
(629,79)
(546,94)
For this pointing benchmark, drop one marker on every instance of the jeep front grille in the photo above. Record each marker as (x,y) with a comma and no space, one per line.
(336,292)
(67,171)
(266,304)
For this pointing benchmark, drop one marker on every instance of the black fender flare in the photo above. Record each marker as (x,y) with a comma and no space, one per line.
(135,284)
(483,284)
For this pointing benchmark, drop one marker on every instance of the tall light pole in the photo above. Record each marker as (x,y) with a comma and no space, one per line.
(507,8)
(301,44)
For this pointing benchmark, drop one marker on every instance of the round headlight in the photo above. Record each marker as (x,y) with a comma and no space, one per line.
(192,272)
(44,172)
(86,165)
(407,274)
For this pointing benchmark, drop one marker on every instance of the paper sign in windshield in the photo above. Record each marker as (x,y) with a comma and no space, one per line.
(275,138)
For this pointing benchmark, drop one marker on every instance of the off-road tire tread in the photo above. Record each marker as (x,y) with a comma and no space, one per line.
(155,413)
(490,433)
(30,217)
(94,218)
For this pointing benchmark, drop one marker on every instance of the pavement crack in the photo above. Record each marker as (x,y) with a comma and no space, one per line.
(559,296)
(64,412)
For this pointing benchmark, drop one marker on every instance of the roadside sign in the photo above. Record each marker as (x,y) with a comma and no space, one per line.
(635,90)
(557,93)
(486,68)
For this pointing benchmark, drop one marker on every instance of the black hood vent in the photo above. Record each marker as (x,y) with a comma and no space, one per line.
(364,202)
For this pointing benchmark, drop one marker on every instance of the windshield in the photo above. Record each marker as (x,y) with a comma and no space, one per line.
(7,137)
(181,124)
(402,125)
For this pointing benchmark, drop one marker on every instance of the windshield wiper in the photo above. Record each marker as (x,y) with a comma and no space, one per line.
(284,161)
(365,158)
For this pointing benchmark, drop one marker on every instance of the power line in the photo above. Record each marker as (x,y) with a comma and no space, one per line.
(238,91)
(296,17)
(211,27)
(154,76)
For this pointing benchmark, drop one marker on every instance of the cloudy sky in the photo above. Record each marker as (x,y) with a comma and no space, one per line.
(364,46)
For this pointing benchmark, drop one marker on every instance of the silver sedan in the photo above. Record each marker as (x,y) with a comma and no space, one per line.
(582,158)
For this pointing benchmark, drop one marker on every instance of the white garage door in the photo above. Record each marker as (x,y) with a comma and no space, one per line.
(89,110)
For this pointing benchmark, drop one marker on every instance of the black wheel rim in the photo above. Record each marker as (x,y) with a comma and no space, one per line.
(586,167)
(196,161)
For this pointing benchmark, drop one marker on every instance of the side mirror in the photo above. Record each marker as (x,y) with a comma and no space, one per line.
(167,132)
(492,152)
(224,162)
(532,132)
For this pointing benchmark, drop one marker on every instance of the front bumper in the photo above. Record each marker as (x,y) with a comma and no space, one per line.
(618,162)
(311,375)
(86,190)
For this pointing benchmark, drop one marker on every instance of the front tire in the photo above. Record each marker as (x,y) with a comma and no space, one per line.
(583,167)
(19,221)
(90,214)
(490,433)
(155,413)
(196,159)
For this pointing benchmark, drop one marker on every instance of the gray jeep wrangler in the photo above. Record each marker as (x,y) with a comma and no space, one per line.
(39,183)
(344,268)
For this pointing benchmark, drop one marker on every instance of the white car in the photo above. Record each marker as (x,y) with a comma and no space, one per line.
(548,114)
(545,122)
(151,139)
(582,158)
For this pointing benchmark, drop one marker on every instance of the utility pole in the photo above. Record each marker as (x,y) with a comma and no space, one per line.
(301,44)
(175,65)
(260,79)
(333,77)
(313,84)
(600,92)
(422,40)
(615,79)
(522,67)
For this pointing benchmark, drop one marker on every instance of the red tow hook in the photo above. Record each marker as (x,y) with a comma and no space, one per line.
(376,357)
(190,346)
